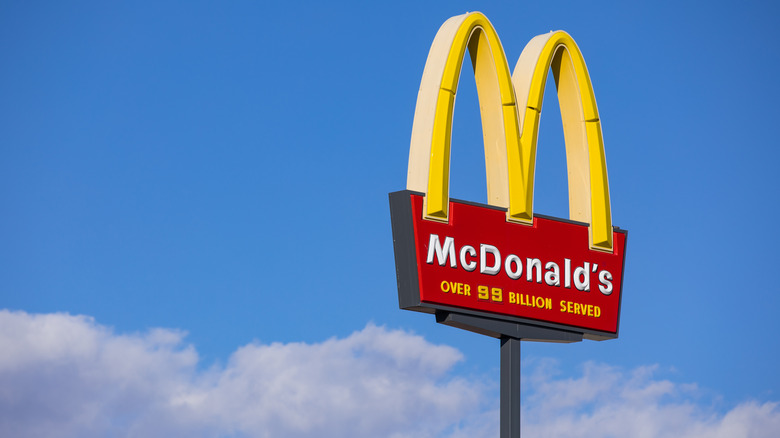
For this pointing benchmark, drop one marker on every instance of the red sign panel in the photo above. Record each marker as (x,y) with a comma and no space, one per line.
(479,262)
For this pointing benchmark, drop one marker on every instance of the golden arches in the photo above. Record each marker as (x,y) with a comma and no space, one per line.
(510,135)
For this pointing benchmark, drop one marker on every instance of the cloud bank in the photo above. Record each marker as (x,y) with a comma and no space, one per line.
(68,376)
(608,402)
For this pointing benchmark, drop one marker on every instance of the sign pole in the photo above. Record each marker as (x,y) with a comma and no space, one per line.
(510,387)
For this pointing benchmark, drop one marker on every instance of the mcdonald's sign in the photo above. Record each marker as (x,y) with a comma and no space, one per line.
(499,266)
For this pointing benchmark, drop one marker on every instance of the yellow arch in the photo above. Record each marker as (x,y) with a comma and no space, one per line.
(430,146)
(585,158)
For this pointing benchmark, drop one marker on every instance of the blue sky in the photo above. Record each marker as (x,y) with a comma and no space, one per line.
(208,182)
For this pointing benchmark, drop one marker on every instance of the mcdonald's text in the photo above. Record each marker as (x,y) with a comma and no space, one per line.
(490,263)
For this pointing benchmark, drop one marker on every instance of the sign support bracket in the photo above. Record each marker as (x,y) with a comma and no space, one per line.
(499,329)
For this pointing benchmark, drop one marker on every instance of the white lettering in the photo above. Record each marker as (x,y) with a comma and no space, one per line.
(518,271)
(490,262)
(530,264)
(483,268)
(605,278)
(469,266)
(582,277)
(449,248)
(553,274)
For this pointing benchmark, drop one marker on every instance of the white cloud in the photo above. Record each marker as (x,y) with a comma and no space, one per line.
(67,376)
(607,401)
(63,376)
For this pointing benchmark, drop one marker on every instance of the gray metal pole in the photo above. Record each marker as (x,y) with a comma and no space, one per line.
(510,387)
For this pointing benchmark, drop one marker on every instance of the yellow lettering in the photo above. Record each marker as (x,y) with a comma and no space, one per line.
(497,294)
(577,308)
(482,292)
(459,288)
